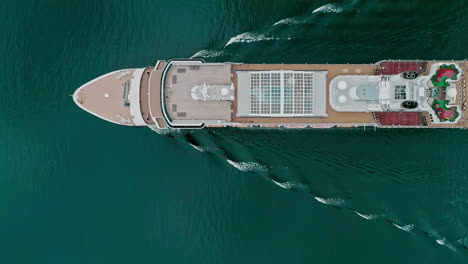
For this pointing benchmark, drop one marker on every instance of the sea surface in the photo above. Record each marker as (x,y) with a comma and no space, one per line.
(76,189)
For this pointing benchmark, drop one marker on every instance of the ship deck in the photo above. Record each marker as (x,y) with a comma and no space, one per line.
(333,117)
(181,107)
(461,98)
(153,96)
(144,96)
(103,97)
(179,102)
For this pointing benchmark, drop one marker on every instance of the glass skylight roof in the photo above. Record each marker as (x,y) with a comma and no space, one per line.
(281,93)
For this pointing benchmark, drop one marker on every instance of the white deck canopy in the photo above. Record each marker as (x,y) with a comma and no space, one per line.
(281,93)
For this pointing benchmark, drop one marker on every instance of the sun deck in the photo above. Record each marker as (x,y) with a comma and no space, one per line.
(182,78)
(333,117)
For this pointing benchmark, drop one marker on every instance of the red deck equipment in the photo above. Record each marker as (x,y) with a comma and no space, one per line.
(395,67)
(400,118)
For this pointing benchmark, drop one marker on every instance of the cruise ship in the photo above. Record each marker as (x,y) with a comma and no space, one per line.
(193,94)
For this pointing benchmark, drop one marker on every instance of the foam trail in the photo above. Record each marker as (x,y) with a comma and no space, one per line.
(367,217)
(247,166)
(288,21)
(160,131)
(444,242)
(284,185)
(328,8)
(248,37)
(209,54)
(201,149)
(330,201)
(406,228)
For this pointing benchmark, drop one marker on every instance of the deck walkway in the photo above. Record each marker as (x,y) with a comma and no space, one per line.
(144,95)
(154,94)
(103,97)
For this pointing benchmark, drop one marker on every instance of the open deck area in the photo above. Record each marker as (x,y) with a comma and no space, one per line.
(461,99)
(178,91)
(104,97)
(333,117)
(426,118)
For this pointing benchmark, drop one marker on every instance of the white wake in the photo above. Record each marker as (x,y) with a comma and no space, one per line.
(328,8)
(160,131)
(406,228)
(284,185)
(367,217)
(247,166)
(201,149)
(209,54)
(330,201)
(249,37)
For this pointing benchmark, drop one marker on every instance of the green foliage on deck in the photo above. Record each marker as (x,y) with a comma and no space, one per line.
(443,105)
(442,82)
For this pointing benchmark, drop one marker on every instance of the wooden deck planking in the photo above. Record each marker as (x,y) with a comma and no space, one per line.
(179,101)
(93,97)
(144,96)
(155,94)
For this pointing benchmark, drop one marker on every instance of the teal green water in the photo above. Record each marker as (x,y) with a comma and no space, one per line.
(75,189)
